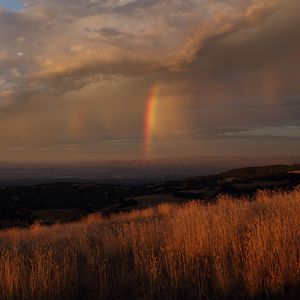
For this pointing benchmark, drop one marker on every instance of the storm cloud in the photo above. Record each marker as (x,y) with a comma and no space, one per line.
(76,74)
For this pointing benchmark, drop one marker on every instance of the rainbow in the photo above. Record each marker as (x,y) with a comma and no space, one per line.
(151,109)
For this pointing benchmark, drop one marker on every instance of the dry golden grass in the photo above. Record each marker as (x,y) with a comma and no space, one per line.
(234,249)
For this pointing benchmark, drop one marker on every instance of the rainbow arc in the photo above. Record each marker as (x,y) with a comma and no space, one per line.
(150,120)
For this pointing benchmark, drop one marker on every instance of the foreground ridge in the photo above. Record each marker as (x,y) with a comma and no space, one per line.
(233,249)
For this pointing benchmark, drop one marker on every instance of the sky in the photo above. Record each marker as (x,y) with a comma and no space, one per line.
(12,5)
(86,80)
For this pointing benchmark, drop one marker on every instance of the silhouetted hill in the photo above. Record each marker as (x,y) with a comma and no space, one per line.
(260,172)
(67,201)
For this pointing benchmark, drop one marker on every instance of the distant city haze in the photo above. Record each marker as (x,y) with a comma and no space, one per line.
(131,172)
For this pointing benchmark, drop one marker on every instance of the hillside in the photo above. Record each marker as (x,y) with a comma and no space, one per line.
(68,201)
(231,249)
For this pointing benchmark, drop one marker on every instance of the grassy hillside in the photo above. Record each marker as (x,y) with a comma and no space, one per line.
(233,249)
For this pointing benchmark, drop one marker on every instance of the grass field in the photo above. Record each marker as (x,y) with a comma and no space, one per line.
(233,249)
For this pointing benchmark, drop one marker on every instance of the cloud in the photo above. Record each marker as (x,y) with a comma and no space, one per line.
(288,131)
(74,73)
(270,37)
(67,44)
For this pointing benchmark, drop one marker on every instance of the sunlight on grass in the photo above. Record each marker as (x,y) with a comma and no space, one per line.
(233,249)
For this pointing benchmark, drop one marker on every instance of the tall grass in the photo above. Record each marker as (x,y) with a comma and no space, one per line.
(233,249)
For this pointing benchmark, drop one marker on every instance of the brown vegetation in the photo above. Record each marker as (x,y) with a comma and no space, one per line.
(234,249)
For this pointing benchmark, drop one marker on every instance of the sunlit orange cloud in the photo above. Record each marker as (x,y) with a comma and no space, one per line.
(6,97)
(3,55)
(6,93)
